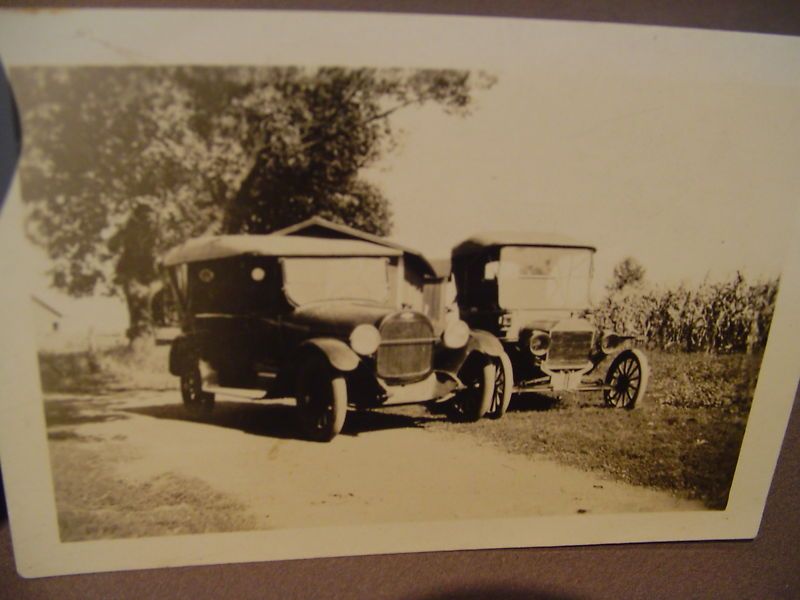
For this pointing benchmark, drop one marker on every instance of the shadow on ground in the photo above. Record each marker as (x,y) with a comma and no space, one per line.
(63,435)
(78,411)
(377,420)
(533,402)
(277,420)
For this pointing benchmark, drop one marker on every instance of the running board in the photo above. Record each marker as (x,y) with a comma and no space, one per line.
(243,393)
(590,387)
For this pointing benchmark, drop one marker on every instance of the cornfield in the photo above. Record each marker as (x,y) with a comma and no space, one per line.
(723,317)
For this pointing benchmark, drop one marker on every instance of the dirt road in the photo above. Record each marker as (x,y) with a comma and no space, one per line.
(385,467)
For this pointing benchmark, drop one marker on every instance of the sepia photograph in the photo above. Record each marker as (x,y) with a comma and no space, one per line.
(269,296)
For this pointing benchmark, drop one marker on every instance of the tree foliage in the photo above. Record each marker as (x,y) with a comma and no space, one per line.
(311,142)
(627,272)
(121,163)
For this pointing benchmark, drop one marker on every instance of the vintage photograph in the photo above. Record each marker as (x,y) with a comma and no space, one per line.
(273,297)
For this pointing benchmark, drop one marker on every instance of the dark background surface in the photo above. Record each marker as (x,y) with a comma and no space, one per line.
(768,567)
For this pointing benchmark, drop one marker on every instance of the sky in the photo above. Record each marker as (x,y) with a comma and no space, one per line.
(693,179)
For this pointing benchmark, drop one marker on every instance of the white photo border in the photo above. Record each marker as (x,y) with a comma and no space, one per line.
(124,37)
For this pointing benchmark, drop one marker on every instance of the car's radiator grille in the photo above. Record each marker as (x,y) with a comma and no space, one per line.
(406,350)
(569,347)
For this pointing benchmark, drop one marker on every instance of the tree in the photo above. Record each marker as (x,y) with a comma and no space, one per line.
(318,132)
(627,272)
(107,174)
(121,163)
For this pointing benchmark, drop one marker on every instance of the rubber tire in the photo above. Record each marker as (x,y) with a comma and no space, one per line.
(640,360)
(197,402)
(321,396)
(499,403)
(473,402)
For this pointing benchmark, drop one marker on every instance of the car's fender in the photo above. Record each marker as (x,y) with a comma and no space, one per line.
(340,356)
(485,343)
(182,350)
(480,342)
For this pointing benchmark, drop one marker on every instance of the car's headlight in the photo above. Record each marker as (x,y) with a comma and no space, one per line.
(539,343)
(456,335)
(365,339)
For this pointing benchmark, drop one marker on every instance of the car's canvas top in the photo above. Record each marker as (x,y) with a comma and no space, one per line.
(223,246)
(481,241)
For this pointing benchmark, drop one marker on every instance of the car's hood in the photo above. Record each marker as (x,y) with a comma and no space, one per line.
(547,321)
(337,318)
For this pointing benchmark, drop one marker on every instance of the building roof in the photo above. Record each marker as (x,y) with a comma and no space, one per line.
(442,266)
(481,241)
(307,228)
(223,246)
(46,306)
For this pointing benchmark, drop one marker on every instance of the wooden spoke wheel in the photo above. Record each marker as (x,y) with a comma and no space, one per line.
(503,386)
(626,379)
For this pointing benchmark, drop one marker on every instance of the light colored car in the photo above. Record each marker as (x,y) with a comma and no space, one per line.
(532,292)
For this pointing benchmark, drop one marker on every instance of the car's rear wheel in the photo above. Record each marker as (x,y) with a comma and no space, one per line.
(321,396)
(197,402)
(626,379)
(503,386)
(472,402)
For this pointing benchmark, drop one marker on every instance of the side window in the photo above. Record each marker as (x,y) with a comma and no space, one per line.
(487,269)
(476,280)
(491,270)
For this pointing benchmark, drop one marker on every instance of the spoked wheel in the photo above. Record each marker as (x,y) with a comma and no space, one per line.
(321,400)
(471,403)
(197,402)
(503,386)
(627,379)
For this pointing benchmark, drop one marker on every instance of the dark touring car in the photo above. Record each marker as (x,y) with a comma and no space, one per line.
(319,320)
(532,291)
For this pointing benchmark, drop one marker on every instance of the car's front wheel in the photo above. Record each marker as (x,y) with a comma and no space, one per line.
(626,380)
(503,386)
(321,396)
(472,402)
(198,402)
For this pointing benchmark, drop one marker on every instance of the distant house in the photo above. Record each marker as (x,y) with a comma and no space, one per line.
(442,266)
(411,275)
(47,319)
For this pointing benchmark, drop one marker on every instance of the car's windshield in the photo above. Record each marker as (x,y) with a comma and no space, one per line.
(544,278)
(321,279)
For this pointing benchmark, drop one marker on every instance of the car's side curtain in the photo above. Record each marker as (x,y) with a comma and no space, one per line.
(239,285)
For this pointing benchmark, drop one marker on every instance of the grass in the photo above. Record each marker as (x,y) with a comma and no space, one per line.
(100,505)
(105,370)
(685,437)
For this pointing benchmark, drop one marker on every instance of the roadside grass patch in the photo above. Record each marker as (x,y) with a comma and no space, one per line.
(685,437)
(72,372)
(93,503)
(95,371)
